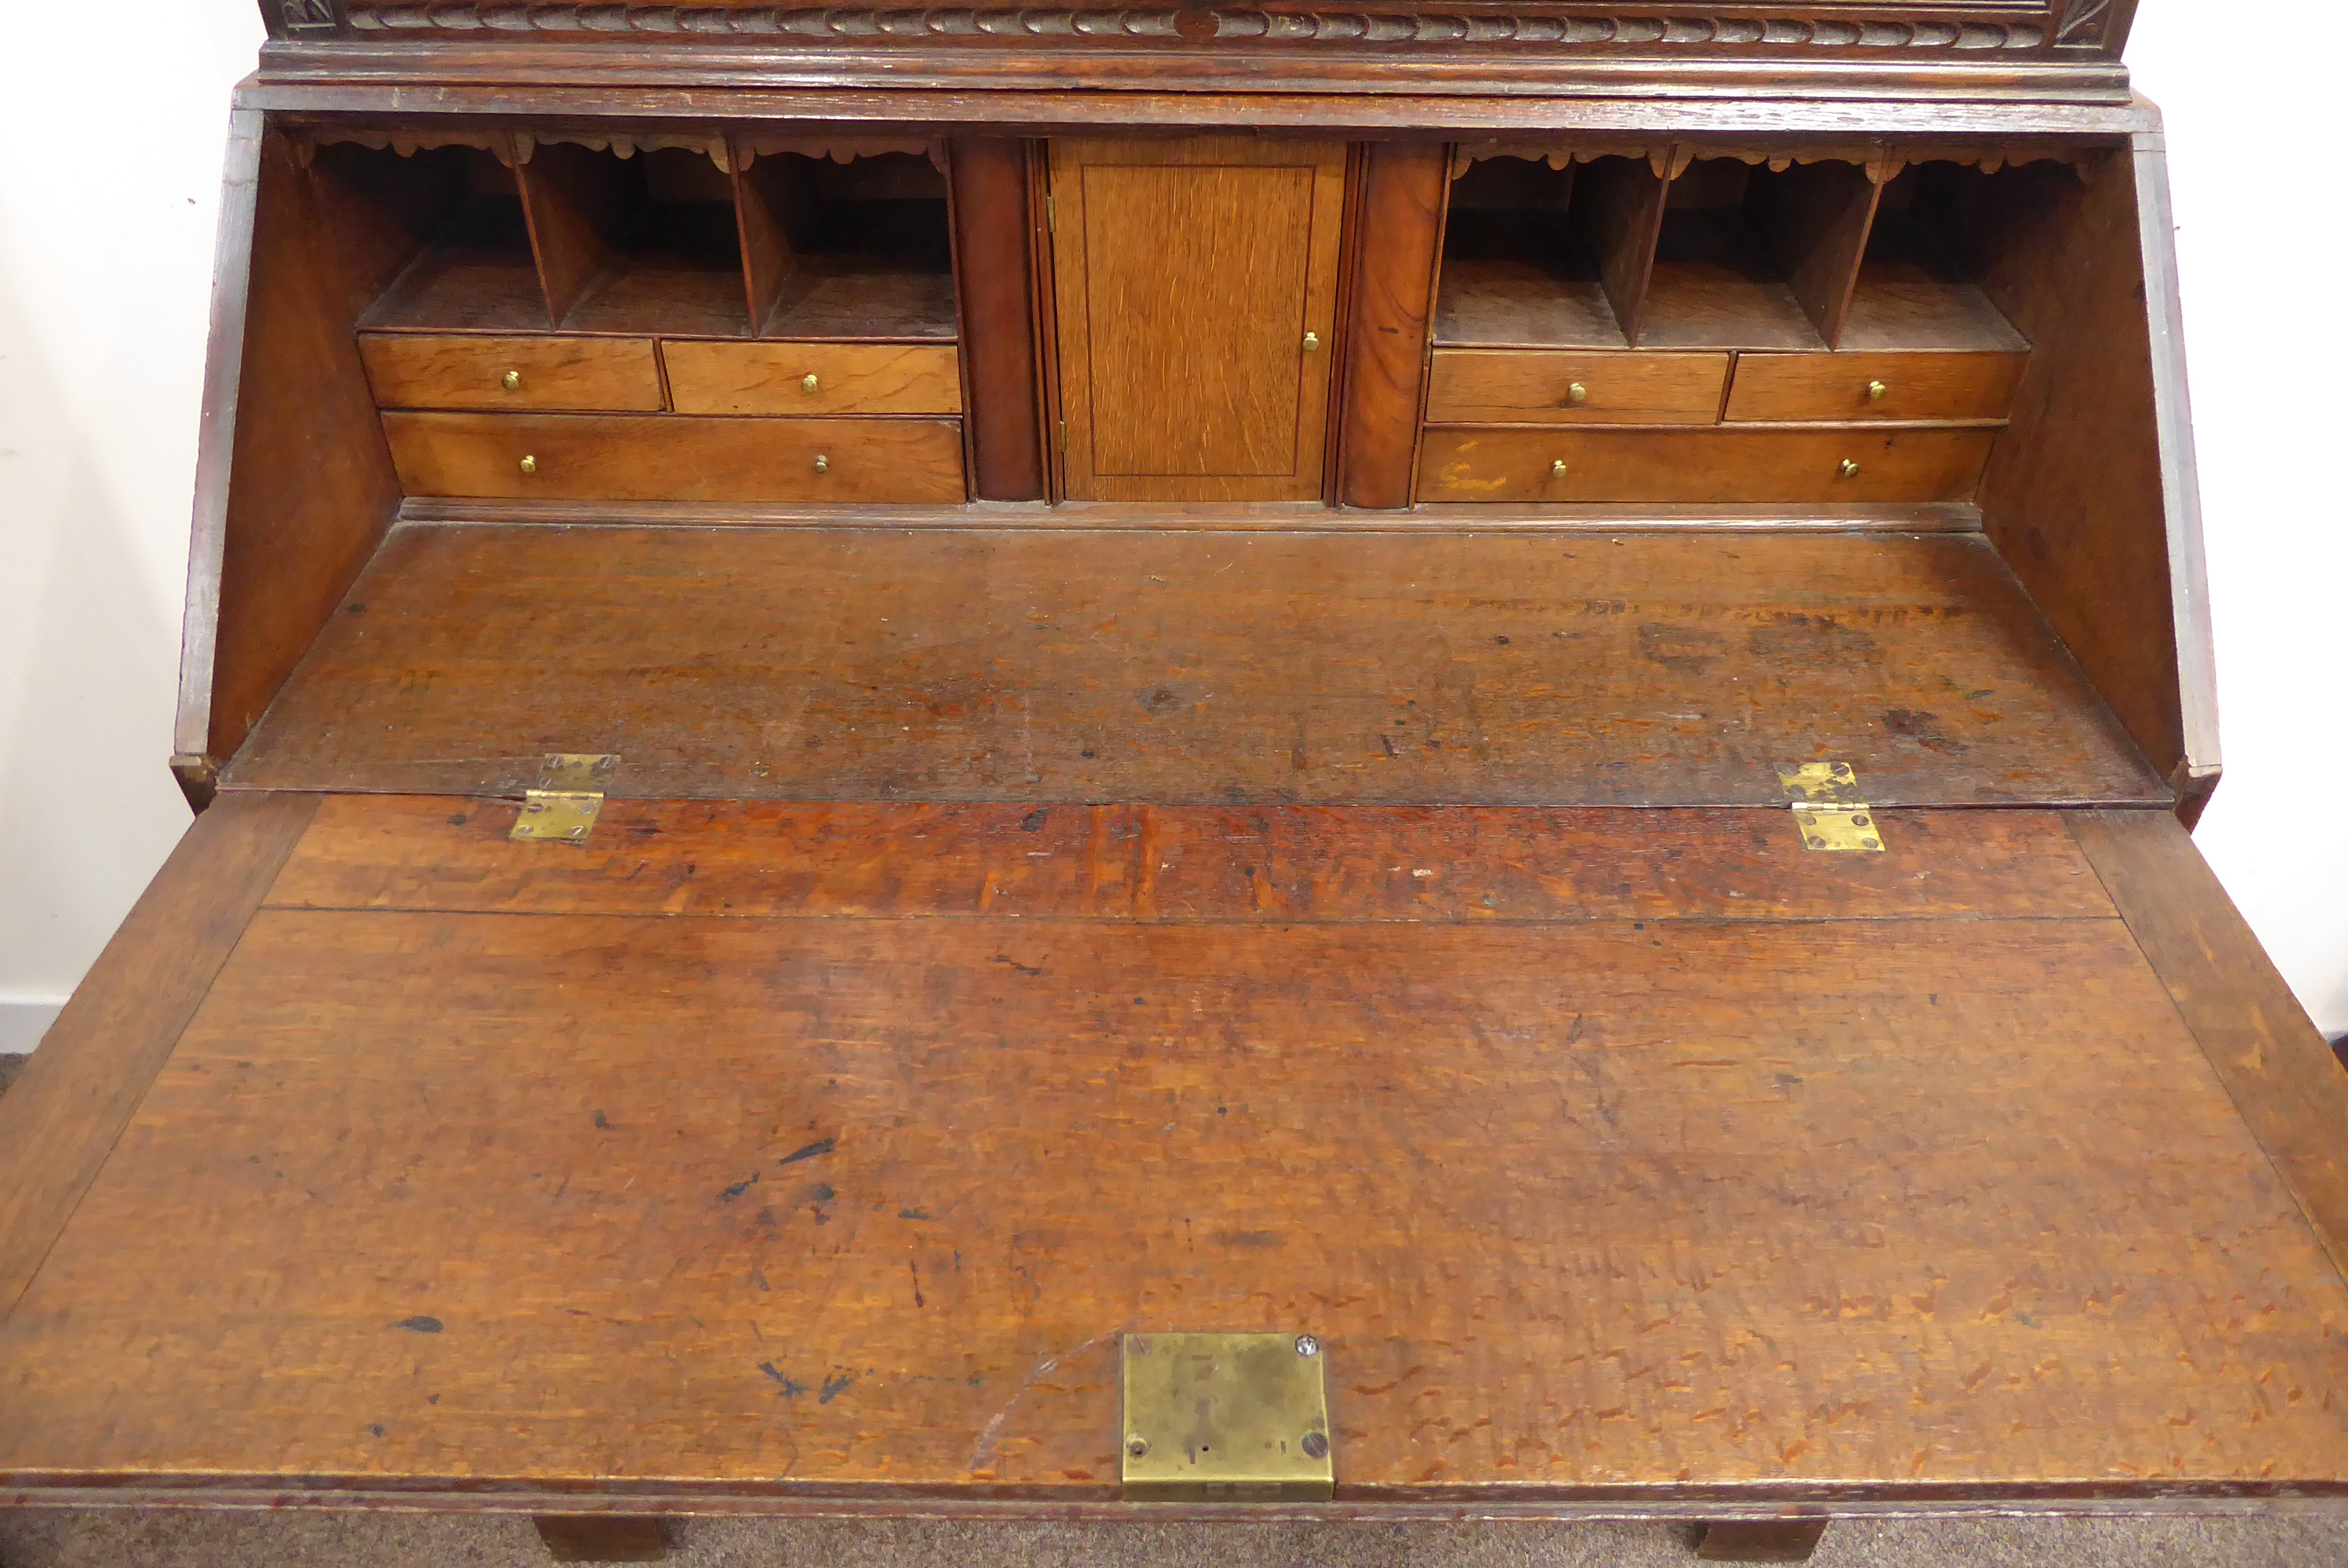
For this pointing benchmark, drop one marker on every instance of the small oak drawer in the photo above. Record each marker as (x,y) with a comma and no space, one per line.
(578,457)
(813,378)
(1530,386)
(1718,467)
(618,375)
(1770,386)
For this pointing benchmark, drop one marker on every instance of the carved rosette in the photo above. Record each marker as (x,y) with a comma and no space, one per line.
(2019,27)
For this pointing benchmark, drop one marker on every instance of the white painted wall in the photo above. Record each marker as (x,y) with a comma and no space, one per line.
(110,179)
(107,209)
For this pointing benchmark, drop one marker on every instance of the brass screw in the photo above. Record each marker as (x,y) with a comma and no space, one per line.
(1317,1446)
(1135,1444)
(822,464)
(1557,469)
(530,465)
(807,384)
(1876,391)
(1307,1345)
(512,380)
(1848,470)
(1577,393)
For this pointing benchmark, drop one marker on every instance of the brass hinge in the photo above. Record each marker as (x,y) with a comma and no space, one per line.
(568,797)
(1828,808)
(1226,1418)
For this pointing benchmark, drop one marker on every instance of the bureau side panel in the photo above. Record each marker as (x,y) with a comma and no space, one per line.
(296,483)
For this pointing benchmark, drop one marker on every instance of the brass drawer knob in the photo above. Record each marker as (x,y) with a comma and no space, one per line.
(1577,393)
(807,384)
(511,381)
(530,465)
(1876,391)
(822,464)
(1557,469)
(1847,469)
(1311,342)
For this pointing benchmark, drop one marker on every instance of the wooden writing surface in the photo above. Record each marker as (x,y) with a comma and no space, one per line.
(754,1155)
(1189,277)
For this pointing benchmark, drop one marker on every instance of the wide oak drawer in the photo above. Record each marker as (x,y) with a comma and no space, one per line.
(675,458)
(1874,386)
(1483,386)
(619,375)
(813,378)
(1712,466)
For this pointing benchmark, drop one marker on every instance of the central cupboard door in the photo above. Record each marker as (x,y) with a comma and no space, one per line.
(1196,287)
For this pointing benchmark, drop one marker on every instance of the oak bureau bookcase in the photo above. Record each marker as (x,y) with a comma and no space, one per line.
(1389,761)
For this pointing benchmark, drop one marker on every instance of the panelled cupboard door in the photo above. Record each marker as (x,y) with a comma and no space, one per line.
(1196,287)
(760,1154)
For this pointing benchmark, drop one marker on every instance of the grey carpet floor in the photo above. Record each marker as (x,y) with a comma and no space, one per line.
(180,1538)
(130,1538)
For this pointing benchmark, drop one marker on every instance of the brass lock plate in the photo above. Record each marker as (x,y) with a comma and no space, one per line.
(1226,1418)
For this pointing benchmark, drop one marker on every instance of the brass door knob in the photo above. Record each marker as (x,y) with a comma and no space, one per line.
(1577,393)
(529,464)
(1876,391)
(1557,469)
(808,385)
(1847,469)
(1311,342)
(822,464)
(511,380)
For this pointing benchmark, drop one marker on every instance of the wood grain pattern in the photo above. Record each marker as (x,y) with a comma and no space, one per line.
(2076,491)
(1911,297)
(1778,1209)
(465,371)
(1618,210)
(996,283)
(573,201)
(1835,387)
(1397,243)
(1737,465)
(1145,664)
(648,457)
(791,859)
(1816,218)
(61,1118)
(1188,274)
(2290,1089)
(310,487)
(709,377)
(1474,387)
(1714,286)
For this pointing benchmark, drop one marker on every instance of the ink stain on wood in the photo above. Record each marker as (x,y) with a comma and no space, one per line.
(738,1188)
(420,1324)
(810,1151)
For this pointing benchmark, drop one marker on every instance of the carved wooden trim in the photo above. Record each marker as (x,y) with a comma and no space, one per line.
(2019,27)
(840,149)
(625,144)
(2082,23)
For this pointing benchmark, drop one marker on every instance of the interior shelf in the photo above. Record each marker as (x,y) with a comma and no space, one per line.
(473,269)
(1516,273)
(853,250)
(1714,287)
(1910,296)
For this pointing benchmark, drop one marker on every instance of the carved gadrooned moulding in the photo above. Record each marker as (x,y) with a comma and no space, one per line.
(1987,27)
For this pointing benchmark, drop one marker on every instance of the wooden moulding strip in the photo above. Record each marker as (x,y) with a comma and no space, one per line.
(2283,1078)
(1899,518)
(61,1118)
